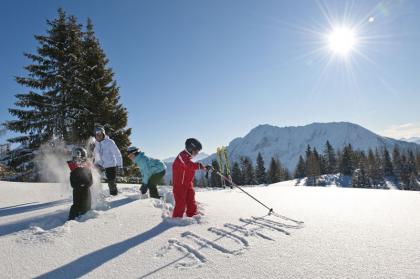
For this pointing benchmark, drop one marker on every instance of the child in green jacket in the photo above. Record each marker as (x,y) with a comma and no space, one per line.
(152,171)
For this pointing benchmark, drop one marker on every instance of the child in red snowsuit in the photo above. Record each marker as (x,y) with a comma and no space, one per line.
(183,171)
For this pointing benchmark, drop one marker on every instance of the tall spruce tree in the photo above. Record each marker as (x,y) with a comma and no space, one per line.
(413,184)
(412,162)
(260,173)
(379,160)
(247,171)
(237,174)
(373,168)
(286,174)
(273,173)
(405,172)
(346,163)
(300,171)
(47,111)
(70,90)
(330,158)
(101,103)
(387,163)
(396,162)
(360,178)
(215,180)
(313,169)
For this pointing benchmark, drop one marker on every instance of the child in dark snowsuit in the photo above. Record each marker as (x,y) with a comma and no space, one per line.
(80,180)
(183,171)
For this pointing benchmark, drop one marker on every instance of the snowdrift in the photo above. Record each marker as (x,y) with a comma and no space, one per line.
(347,233)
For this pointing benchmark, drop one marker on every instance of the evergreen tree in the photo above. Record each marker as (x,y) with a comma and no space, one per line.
(330,159)
(286,174)
(248,171)
(300,171)
(46,110)
(308,153)
(260,172)
(396,162)
(411,162)
(237,174)
(320,161)
(313,169)
(283,172)
(379,162)
(418,162)
(346,164)
(387,164)
(273,173)
(405,172)
(70,90)
(215,180)
(101,96)
(360,178)
(413,184)
(373,168)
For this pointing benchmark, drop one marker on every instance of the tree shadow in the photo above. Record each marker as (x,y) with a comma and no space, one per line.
(45,221)
(16,205)
(17,209)
(51,220)
(91,261)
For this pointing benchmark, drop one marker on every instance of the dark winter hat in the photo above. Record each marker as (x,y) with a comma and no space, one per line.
(132,149)
(99,130)
(193,144)
(78,152)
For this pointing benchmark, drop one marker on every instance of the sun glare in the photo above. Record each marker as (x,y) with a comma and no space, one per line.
(342,40)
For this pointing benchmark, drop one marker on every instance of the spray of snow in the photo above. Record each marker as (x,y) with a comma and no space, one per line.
(98,196)
(51,163)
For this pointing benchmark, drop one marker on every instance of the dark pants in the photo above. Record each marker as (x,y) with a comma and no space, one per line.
(81,202)
(111,176)
(154,180)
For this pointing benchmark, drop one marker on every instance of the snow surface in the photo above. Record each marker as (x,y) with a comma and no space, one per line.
(347,233)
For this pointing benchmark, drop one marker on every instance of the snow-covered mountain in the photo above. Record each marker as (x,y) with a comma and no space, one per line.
(412,139)
(289,142)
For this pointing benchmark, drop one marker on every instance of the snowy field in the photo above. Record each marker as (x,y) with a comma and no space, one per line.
(347,233)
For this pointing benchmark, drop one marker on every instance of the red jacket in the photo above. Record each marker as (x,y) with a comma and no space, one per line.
(183,170)
(78,164)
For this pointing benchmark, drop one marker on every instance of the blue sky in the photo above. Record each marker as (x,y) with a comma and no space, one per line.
(216,69)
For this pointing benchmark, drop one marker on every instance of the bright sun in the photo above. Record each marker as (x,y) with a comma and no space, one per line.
(342,40)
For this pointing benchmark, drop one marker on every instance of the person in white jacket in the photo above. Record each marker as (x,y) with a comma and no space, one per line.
(107,157)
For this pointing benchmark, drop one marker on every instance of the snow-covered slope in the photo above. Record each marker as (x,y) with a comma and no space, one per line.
(348,233)
(289,142)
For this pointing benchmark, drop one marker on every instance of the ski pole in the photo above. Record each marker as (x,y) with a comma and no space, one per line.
(270,210)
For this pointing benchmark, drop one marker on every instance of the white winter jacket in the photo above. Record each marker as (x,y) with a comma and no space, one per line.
(107,153)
